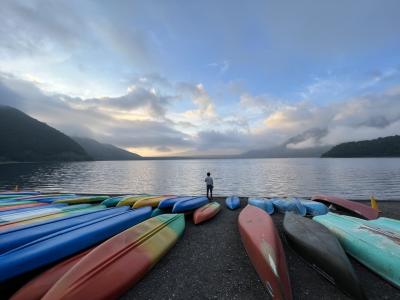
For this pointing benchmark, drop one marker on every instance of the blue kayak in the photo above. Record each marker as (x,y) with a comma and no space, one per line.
(232,202)
(51,199)
(170,202)
(22,235)
(19,210)
(263,203)
(54,247)
(190,204)
(314,208)
(293,205)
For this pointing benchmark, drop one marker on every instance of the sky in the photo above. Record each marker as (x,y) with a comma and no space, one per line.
(162,78)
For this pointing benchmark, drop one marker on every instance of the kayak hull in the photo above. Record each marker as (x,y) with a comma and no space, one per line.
(206,212)
(377,247)
(189,205)
(289,205)
(321,248)
(139,247)
(264,248)
(354,207)
(263,203)
(232,202)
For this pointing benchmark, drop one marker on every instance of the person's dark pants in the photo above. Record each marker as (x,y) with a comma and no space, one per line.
(209,188)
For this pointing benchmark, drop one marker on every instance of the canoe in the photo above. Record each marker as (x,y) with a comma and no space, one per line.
(232,202)
(152,201)
(24,209)
(30,204)
(130,200)
(286,205)
(206,212)
(377,247)
(353,207)
(78,209)
(85,199)
(113,201)
(41,284)
(22,235)
(169,203)
(157,212)
(323,251)
(189,205)
(264,248)
(263,203)
(314,208)
(138,249)
(59,245)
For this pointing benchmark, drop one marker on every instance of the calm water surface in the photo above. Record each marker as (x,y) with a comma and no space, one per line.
(351,178)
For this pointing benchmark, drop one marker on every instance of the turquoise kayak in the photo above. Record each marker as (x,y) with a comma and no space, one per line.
(376,244)
(263,203)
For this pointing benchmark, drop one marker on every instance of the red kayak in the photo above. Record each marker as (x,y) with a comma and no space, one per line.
(38,286)
(206,212)
(357,208)
(264,247)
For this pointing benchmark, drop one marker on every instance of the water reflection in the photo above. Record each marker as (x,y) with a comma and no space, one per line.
(352,178)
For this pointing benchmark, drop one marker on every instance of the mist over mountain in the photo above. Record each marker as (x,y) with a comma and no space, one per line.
(101,151)
(24,138)
(306,144)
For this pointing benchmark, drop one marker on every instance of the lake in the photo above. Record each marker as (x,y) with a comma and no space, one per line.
(354,178)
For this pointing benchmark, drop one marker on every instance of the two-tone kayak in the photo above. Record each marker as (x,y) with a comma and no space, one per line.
(206,212)
(139,248)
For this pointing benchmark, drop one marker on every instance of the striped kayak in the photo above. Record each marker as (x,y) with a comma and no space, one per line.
(32,214)
(130,200)
(263,203)
(22,235)
(84,199)
(375,245)
(206,212)
(83,208)
(293,205)
(139,248)
(169,203)
(41,284)
(24,209)
(356,208)
(59,245)
(264,248)
(323,251)
(152,201)
(12,207)
(314,208)
(232,202)
(189,205)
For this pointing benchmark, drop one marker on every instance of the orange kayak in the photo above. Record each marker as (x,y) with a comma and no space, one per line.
(264,248)
(206,212)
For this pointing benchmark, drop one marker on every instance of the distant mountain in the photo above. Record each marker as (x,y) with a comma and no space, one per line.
(26,139)
(100,151)
(381,147)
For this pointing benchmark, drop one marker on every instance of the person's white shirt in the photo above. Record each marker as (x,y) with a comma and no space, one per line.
(209,180)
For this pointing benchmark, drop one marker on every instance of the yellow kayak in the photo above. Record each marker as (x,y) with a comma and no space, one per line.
(150,201)
(130,200)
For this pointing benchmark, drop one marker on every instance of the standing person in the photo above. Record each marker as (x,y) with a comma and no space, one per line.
(210,185)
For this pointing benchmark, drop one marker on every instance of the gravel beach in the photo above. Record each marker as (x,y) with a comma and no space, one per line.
(210,262)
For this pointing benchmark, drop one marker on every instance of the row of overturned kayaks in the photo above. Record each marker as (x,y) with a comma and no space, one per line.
(76,244)
(322,238)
